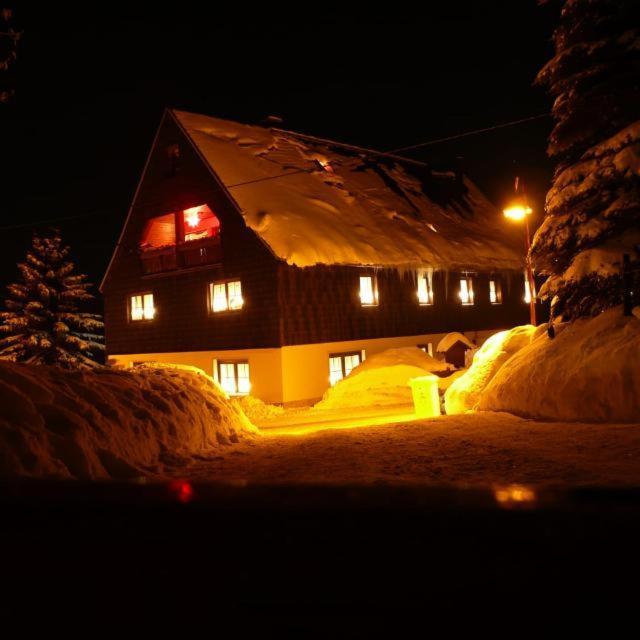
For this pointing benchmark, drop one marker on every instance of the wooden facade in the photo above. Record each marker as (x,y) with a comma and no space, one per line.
(284,305)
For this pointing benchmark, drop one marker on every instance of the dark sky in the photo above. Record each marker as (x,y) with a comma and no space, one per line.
(91,85)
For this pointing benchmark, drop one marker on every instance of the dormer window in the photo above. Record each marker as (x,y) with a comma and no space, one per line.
(226,296)
(425,288)
(466,291)
(368,291)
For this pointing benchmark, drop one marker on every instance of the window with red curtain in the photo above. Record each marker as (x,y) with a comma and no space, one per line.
(200,222)
(159,232)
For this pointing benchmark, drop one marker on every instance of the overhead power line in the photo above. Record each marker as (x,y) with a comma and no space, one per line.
(391,154)
(457,136)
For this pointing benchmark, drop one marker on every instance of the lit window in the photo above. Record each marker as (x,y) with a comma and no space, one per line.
(368,291)
(466,291)
(159,232)
(234,377)
(495,292)
(200,222)
(142,307)
(427,348)
(425,288)
(342,364)
(527,290)
(226,296)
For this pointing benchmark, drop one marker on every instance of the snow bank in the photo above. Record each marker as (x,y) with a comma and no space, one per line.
(110,423)
(382,379)
(589,372)
(257,410)
(464,393)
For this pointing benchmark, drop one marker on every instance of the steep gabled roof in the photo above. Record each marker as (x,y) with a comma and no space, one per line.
(339,205)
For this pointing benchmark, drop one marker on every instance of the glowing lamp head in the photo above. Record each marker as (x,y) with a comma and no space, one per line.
(517,210)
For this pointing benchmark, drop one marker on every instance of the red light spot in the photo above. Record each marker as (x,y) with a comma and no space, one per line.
(181,490)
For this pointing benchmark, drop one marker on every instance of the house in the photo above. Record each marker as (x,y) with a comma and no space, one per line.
(277,261)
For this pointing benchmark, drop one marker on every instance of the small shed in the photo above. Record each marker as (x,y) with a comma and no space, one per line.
(454,347)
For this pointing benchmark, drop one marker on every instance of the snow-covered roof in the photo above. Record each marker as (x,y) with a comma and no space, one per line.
(342,205)
(452,338)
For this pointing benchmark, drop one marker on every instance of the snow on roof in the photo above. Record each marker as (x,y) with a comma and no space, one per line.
(450,339)
(339,205)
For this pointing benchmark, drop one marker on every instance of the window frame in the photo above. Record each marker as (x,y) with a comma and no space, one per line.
(235,364)
(211,296)
(427,347)
(141,295)
(470,292)
(343,355)
(374,290)
(428,277)
(527,294)
(497,290)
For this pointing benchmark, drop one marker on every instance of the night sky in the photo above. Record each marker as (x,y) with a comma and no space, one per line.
(91,88)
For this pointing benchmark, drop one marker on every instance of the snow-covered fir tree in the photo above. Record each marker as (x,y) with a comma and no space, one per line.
(43,323)
(593,208)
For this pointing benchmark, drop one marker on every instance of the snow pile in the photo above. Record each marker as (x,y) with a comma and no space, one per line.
(464,393)
(589,372)
(451,338)
(382,379)
(340,205)
(109,423)
(257,410)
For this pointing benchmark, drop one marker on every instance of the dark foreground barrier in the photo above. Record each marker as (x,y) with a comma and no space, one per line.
(316,561)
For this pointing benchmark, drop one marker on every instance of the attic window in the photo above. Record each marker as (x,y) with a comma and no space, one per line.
(225,296)
(495,292)
(466,291)
(425,288)
(368,291)
(159,232)
(199,223)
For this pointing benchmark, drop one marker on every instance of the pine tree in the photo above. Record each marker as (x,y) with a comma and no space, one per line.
(593,208)
(42,323)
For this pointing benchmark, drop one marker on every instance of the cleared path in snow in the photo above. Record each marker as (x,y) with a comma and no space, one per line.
(476,448)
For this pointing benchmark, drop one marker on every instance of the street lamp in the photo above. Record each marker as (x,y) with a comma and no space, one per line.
(519,210)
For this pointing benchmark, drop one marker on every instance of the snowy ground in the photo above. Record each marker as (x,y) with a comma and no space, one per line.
(481,448)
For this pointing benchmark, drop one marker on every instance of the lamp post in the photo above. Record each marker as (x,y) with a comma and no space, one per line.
(518,210)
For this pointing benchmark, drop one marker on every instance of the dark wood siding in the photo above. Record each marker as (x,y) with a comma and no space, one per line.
(182,322)
(321,304)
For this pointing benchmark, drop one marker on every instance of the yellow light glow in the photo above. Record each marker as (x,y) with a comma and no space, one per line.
(517,211)
(527,290)
(466,291)
(142,307)
(192,216)
(368,293)
(514,494)
(425,290)
(426,399)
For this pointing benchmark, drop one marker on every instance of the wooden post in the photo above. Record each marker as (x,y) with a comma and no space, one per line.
(626,284)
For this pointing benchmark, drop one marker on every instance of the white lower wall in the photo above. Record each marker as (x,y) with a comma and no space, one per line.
(298,373)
